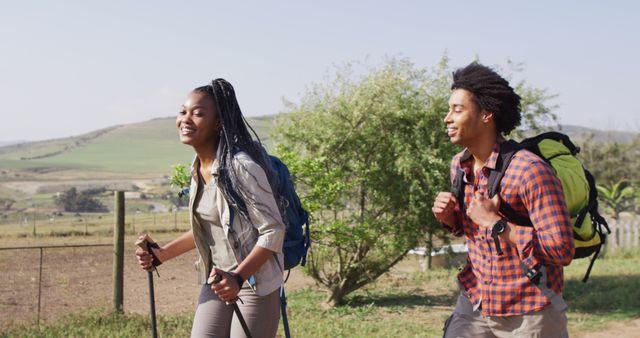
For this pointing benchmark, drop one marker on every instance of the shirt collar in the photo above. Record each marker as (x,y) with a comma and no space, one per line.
(215,167)
(466,159)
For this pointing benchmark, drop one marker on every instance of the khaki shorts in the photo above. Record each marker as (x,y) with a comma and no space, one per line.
(464,322)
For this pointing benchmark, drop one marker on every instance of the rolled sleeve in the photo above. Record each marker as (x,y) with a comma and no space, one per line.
(263,210)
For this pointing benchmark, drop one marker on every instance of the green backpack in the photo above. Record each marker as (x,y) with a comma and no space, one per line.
(578,185)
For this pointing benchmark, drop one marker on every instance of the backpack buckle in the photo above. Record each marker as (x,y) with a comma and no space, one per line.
(534,274)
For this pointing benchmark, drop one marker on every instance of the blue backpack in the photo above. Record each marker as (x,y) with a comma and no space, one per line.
(297,240)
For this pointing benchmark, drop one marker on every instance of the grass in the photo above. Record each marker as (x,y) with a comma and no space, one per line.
(102,323)
(610,294)
(400,304)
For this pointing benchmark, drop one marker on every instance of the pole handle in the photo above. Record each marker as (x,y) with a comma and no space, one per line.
(148,246)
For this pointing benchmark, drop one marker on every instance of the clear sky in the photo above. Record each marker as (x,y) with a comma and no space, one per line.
(69,67)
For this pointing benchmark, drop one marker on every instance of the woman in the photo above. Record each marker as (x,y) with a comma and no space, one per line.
(236,224)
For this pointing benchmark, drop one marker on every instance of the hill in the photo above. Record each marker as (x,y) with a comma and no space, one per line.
(7,143)
(579,133)
(144,149)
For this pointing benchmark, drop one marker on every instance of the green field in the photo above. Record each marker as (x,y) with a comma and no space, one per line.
(149,148)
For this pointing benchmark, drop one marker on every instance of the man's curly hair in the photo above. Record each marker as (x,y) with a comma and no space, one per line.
(492,93)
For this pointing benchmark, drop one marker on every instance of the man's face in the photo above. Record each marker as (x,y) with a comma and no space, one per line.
(464,119)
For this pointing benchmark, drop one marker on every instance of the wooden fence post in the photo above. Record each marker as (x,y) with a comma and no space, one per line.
(118,246)
(34,220)
(39,287)
(175,218)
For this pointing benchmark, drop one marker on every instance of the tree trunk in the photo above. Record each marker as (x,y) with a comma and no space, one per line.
(335,298)
(427,251)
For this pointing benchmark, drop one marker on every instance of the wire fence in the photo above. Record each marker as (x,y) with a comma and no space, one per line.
(50,277)
(40,249)
(41,284)
(44,282)
(26,224)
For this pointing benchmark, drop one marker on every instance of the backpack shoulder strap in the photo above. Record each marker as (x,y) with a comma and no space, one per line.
(592,208)
(507,150)
(457,187)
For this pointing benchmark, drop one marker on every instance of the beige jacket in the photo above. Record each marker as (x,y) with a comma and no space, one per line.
(266,228)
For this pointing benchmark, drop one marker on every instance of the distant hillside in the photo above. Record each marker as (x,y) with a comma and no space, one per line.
(49,148)
(150,147)
(7,143)
(579,133)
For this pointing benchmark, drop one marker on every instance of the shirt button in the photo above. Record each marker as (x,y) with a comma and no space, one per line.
(482,238)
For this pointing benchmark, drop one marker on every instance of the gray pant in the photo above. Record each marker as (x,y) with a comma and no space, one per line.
(214,318)
(464,322)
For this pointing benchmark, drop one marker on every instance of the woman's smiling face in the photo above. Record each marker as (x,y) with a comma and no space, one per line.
(198,121)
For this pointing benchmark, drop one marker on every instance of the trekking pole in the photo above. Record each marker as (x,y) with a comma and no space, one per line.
(152,305)
(216,279)
(146,246)
(283,308)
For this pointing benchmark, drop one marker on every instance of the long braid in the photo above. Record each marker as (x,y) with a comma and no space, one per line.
(235,137)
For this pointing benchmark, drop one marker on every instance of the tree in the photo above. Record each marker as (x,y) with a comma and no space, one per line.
(84,201)
(371,160)
(180,176)
(180,179)
(6,203)
(614,166)
(619,196)
(610,161)
(370,153)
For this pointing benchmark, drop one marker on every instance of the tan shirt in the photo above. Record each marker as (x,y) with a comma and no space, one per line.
(265,228)
(207,218)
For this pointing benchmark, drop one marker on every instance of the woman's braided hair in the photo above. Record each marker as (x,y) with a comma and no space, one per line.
(235,137)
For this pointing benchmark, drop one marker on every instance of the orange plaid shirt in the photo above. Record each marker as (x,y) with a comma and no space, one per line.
(498,284)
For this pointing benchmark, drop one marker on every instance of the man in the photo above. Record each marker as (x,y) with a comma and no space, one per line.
(515,292)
